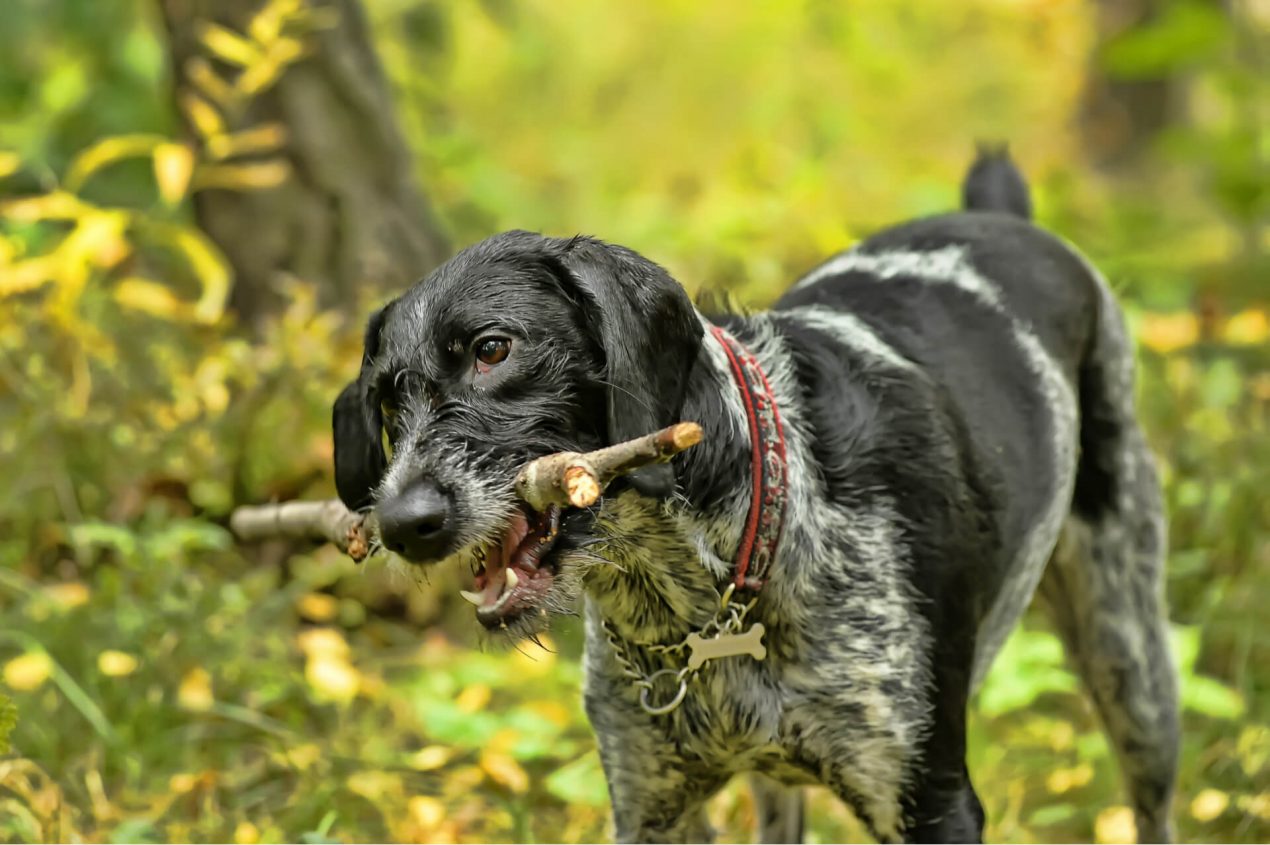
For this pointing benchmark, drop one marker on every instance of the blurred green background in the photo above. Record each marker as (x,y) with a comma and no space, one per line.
(201,200)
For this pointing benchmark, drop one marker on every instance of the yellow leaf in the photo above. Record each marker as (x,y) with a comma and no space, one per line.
(332,678)
(182,782)
(228,45)
(505,771)
(1115,826)
(303,756)
(1247,328)
(534,660)
(195,691)
(55,205)
(99,239)
(1061,736)
(202,115)
(67,596)
(265,138)
(250,176)
(553,711)
(207,264)
(431,757)
(202,75)
(28,671)
(1257,805)
(173,166)
(1209,804)
(116,664)
(503,740)
(1063,779)
(318,607)
(10,163)
(322,642)
(472,698)
(149,297)
(1165,333)
(425,811)
(27,275)
(373,785)
(246,833)
(107,151)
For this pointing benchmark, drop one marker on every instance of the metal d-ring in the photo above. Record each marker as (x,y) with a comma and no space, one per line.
(647,687)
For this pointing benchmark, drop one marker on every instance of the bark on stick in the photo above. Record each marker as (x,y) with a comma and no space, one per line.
(328,520)
(578,479)
(567,479)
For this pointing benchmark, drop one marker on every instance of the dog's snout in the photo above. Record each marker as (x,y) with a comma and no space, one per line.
(418,523)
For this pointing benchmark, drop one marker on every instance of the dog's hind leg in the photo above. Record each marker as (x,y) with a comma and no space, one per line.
(779,809)
(1104,586)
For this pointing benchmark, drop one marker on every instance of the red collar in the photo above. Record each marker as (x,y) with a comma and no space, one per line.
(769,467)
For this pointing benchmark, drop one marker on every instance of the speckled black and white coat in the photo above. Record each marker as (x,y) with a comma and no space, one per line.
(957,396)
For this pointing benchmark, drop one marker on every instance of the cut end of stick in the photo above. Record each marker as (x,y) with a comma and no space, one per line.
(581,486)
(685,434)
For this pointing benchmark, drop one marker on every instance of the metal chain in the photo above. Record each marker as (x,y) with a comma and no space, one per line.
(728,619)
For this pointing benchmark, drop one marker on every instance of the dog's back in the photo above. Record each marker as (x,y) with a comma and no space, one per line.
(1012,424)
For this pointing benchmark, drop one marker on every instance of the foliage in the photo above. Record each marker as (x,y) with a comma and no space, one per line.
(170,686)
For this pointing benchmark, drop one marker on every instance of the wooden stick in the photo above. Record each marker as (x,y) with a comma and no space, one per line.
(568,479)
(328,520)
(577,479)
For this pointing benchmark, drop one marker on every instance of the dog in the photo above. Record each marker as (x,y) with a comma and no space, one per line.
(919,435)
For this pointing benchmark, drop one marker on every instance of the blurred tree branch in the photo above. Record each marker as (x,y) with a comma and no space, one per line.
(321,186)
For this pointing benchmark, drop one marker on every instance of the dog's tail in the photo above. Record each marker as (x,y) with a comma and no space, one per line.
(995,184)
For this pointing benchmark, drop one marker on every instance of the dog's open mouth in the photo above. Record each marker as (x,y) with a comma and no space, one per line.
(516,574)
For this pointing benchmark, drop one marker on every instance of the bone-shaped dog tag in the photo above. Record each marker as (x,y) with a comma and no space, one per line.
(726,645)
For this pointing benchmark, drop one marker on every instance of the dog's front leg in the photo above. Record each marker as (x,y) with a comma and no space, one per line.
(657,794)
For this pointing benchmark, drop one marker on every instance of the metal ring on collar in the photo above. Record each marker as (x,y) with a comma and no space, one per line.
(668,706)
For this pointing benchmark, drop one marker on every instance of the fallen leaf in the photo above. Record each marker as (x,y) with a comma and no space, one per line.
(332,677)
(246,833)
(318,607)
(195,691)
(68,595)
(473,698)
(431,757)
(1209,804)
(505,771)
(317,642)
(116,664)
(1115,826)
(1165,333)
(426,812)
(28,671)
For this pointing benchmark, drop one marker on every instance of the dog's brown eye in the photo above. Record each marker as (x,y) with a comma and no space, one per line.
(491,351)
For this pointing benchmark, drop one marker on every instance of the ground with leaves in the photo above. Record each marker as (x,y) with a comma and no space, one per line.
(160,683)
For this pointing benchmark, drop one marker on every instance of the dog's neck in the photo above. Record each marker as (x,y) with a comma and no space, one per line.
(671,560)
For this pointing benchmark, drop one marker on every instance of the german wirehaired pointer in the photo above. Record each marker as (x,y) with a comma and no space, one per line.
(920,434)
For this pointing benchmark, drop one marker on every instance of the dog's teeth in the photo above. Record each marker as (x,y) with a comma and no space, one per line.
(469,596)
(512,580)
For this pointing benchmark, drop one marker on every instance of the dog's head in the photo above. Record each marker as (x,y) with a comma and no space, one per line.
(518,347)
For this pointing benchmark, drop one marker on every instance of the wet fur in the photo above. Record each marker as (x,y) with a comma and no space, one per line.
(957,399)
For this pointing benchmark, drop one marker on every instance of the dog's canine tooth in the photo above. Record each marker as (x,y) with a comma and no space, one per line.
(473,598)
(512,580)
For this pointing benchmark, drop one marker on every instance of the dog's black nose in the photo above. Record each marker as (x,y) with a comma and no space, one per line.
(417,523)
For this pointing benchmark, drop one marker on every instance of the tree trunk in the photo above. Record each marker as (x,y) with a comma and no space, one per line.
(349,214)
(1120,117)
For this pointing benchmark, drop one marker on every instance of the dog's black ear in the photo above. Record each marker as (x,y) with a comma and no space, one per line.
(650,334)
(358,428)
